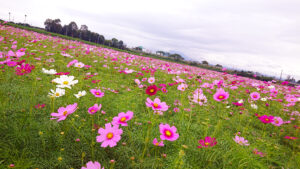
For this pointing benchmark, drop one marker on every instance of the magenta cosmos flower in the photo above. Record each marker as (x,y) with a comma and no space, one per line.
(156,143)
(94,109)
(241,140)
(97,92)
(24,69)
(91,165)
(266,119)
(221,95)
(151,90)
(167,132)
(255,96)
(122,118)
(157,105)
(110,135)
(63,112)
(207,142)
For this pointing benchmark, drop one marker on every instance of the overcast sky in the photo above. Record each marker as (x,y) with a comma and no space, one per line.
(258,35)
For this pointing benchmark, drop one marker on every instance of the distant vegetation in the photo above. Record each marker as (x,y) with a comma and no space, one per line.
(73,32)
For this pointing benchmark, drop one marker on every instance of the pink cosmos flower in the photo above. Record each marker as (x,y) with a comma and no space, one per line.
(221,95)
(277,121)
(164,90)
(157,105)
(266,119)
(24,69)
(122,118)
(72,62)
(290,138)
(94,109)
(207,142)
(20,52)
(110,135)
(255,96)
(97,92)
(91,165)
(241,141)
(167,132)
(63,112)
(255,151)
(156,143)
(182,87)
(11,63)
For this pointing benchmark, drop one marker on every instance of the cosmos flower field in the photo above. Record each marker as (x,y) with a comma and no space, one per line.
(66,104)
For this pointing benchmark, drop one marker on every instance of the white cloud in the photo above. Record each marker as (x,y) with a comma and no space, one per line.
(256,35)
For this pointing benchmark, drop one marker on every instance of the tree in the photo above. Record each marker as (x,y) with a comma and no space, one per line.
(176,57)
(72,29)
(53,25)
(204,62)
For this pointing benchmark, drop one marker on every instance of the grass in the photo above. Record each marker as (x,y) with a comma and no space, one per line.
(29,139)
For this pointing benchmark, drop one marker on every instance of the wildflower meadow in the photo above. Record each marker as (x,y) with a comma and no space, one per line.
(66,104)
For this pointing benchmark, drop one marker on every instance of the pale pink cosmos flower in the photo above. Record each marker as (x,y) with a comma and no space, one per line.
(221,95)
(241,141)
(167,132)
(156,143)
(63,112)
(151,80)
(79,65)
(110,135)
(277,121)
(97,92)
(199,98)
(122,118)
(157,105)
(94,109)
(255,96)
(91,165)
(137,81)
(182,87)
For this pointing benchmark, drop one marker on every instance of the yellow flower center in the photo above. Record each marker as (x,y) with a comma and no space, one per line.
(65,113)
(65,82)
(267,119)
(155,105)
(206,143)
(221,97)
(93,111)
(109,135)
(182,88)
(276,121)
(97,93)
(168,133)
(151,90)
(123,119)
(156,143)
(57,94)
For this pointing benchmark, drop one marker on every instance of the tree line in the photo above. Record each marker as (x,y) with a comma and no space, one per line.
(82,32)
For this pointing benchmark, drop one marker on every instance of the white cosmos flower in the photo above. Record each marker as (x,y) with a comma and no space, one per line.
(80,94)
(57,93)
(51,71)
(254,106)
(65,81)
(263,99)
(271,87)
(79,65)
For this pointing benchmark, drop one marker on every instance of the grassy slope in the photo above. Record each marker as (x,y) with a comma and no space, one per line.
(22,143)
